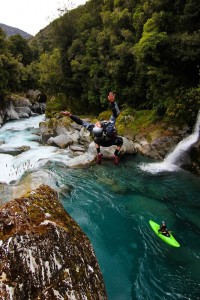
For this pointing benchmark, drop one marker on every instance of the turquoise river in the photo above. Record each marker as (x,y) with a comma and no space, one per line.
(113,206)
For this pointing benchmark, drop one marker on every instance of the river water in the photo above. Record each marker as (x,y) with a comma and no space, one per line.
(113,206)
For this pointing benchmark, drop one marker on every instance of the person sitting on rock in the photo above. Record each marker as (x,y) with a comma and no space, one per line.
(105,133)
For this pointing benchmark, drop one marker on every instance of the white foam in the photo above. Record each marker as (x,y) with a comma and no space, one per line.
(155,168)
(171,161)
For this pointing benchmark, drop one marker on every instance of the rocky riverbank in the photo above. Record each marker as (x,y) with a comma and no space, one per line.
(14,107)
(153,141)
(67,135)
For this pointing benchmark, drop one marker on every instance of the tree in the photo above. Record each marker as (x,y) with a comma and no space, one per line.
(2,41)
(20,49)
(50,74)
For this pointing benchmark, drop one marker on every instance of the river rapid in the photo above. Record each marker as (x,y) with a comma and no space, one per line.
(113,206)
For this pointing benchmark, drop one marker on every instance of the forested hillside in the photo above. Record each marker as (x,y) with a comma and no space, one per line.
(146,51)
(9,30)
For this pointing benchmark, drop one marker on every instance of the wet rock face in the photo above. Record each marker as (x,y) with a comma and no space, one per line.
(16,107)
(194,167)
(43,252)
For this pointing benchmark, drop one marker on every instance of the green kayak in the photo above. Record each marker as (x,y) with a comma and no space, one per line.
(169,240)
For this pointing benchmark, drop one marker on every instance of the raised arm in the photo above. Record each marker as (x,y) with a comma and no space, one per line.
(77,120)
(114,107)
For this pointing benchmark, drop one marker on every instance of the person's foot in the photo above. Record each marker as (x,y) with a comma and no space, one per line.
(99,158)
(116,159)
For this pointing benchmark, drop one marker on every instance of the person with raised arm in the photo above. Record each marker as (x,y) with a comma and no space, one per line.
(104,132)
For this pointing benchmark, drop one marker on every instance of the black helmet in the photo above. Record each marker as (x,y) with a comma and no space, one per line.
(97,131)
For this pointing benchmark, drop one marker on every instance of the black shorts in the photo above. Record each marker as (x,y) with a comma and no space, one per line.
(118,141)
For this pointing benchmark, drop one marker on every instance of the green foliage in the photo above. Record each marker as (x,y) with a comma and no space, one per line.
(160,110)
(190,46)
(50,72)
(131,122)
(147,52)
(19,48)
(185,107)
(15,59)
(11,72)
(2,41)
(56,104)
(148,48)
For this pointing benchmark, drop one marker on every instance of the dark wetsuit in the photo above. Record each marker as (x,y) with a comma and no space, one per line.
(109,136)
(163,229)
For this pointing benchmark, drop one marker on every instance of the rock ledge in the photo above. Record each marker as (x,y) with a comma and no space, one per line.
(44,253)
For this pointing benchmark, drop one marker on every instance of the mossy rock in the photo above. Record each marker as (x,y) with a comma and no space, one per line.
(44,250)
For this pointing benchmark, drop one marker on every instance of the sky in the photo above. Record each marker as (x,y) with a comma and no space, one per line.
(33,15)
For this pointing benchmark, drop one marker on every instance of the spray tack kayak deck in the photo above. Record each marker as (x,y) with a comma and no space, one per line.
(169,240)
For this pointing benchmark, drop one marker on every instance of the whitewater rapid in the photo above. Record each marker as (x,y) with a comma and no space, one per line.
(24,133)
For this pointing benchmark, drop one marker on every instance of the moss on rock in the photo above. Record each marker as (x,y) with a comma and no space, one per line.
(44,253)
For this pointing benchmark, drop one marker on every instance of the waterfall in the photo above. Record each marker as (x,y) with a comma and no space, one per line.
(175,156)
(174,159)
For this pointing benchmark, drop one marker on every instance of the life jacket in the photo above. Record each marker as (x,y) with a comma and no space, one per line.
(108,132)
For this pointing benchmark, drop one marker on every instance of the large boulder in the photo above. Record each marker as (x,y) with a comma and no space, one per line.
(10,113)
(64,140)
(44,253)
(33,95)
(18,101)
(38,108)
(14,150)
(16,107)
